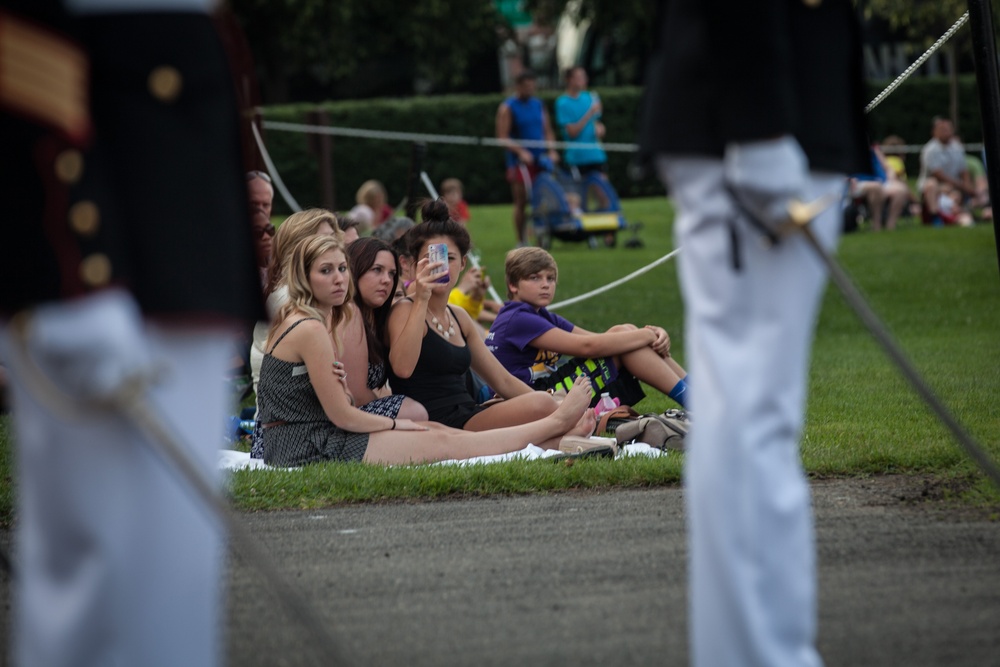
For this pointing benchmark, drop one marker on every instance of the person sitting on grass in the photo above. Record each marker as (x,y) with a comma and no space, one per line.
(432,345)
(375,274)
(547,351)
(470,295)
(350,227)
(307,412)
(296,227)
(293,230)
(451,192)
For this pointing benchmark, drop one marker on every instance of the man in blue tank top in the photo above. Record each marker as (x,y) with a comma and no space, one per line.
(522,116)
(578,114)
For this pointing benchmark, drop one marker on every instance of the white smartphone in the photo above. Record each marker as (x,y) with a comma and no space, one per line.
(438,252)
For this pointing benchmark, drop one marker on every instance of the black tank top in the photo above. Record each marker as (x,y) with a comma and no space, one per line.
(438,379)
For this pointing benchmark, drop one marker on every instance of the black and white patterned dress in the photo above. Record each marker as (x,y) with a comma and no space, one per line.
(387,406)
(304,434)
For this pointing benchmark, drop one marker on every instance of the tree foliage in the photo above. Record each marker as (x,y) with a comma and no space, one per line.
(921,20)
(312,49)
(621,29)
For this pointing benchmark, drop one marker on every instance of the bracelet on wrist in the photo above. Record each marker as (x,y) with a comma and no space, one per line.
(393,423)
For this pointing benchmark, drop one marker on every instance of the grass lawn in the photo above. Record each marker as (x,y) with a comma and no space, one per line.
(938,290)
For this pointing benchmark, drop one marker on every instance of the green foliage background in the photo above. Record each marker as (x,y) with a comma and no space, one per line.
(907,113)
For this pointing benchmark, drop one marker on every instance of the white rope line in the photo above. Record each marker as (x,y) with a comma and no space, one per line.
(440,138)
(616,283)
(275,176)
(429,185)
(919,61)
(916,148)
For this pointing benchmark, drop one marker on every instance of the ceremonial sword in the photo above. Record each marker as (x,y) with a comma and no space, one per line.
(800,215)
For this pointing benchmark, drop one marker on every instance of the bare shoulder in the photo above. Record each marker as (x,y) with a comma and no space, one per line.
(462,315)
(400,309)
(465,321)
(295,327)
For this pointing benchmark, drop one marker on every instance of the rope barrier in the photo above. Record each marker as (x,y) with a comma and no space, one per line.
(271,169)
(916,148)
(429,185)
(456,139)
(917,63)
(616,283)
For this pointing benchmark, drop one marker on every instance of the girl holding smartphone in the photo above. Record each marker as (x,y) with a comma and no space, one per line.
(432,346)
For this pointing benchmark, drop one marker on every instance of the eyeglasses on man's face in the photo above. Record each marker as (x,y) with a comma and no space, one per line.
(261,232)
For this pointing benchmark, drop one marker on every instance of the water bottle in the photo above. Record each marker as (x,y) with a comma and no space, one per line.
(606,404)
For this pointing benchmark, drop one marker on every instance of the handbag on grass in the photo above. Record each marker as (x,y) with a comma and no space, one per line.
(664,431)
(612,419)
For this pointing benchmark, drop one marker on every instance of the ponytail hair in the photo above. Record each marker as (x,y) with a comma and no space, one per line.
(437,221)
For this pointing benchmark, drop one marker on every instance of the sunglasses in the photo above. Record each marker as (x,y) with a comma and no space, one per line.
(264,231)
(262,175)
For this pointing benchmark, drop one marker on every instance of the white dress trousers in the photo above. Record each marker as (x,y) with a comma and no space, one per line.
(748,335)
(119,563)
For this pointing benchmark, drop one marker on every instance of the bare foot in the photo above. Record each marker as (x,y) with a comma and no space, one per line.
(576,403)
(586,425)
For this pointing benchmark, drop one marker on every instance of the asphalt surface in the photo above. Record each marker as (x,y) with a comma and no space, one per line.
(600,579)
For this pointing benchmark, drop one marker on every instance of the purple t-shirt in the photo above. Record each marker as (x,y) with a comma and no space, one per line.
(510,336)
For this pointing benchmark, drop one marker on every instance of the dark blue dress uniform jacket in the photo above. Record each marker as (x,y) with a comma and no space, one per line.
(136,179)
(737,70)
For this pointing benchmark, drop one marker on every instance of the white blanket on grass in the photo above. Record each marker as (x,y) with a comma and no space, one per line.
(233,460)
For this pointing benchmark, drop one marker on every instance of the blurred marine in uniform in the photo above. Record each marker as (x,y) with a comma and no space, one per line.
(126,267)
(750,105)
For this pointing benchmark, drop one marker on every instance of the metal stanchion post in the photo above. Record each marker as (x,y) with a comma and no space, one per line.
(321,146)
(413,183)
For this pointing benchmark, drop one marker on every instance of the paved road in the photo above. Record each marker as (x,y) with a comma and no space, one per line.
(599,579)
(583,579)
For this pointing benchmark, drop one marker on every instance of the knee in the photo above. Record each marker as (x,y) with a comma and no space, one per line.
(542,405)
(622,327)
(411,409)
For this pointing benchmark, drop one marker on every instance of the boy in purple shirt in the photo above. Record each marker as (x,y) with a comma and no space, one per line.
(546,350)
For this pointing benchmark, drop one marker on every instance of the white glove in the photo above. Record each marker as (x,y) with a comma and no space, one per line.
(90,348)
(765,176)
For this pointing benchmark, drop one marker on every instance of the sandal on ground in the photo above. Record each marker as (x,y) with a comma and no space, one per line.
(578,446)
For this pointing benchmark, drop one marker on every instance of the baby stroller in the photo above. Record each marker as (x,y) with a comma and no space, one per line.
(571,207)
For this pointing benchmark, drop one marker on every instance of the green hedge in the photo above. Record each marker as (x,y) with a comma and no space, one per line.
(907,112)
